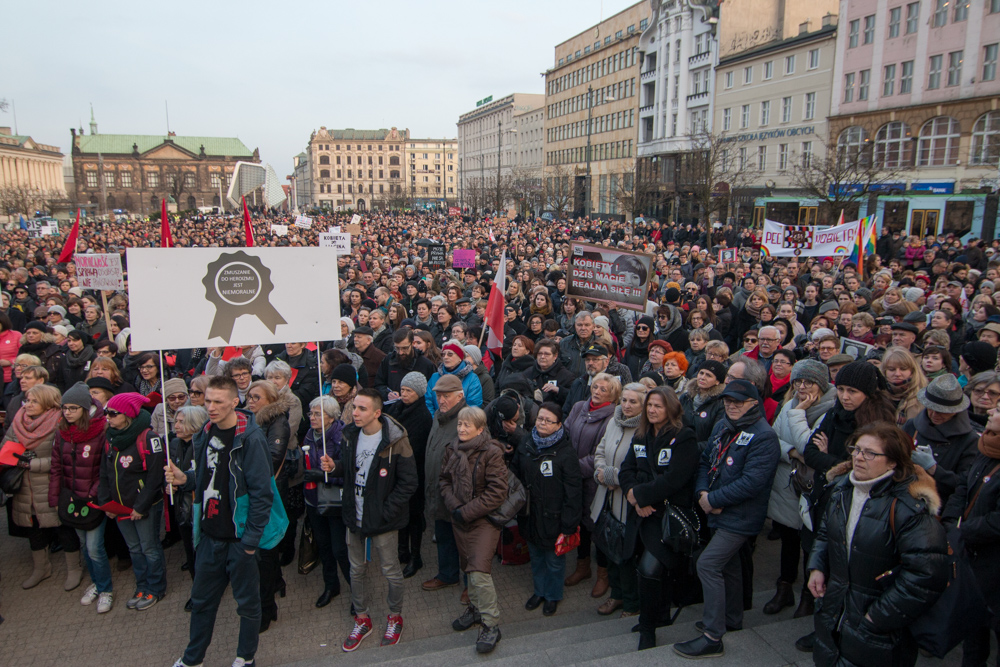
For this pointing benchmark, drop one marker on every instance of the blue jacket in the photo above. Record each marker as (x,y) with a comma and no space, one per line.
(258,515)
(741,486)
(470,385)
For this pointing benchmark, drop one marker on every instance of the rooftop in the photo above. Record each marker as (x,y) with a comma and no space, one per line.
(121,144)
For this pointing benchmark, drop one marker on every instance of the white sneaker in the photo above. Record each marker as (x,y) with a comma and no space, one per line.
(240,662)
(180,663)
(89,595)
(105,601)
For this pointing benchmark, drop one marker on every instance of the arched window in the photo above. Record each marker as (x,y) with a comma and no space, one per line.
(324,159)
(394,160)
(852,145)
(893,146)
(324,173)
(939,142)
(986,140)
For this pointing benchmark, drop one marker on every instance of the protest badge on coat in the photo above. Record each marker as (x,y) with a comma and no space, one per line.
(217,297)
(99,271)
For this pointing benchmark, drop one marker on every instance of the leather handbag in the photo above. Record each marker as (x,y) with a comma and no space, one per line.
(329,498)
(681,530)
(10,479)
(516,498)
(615,536)
(308,550)
(76,513)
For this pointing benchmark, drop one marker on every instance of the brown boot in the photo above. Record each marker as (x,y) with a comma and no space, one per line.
(42,569)
(806,604)
(582,572)
(609,606)
(602,584)
(783,597)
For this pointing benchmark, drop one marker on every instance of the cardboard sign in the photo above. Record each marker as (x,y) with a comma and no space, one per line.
(436,256)
(99,271)
(728,256)
(340,242)
(597,273)
(334,230)
(303,222)
(39,228)
(463,259)
(231,296)
(353,229)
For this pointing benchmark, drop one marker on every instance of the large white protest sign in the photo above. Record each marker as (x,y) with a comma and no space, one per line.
(342,242)
(303,222)
(38,228)
(355,219)
(808,241)
(99,271)
(279,230)
(211,297)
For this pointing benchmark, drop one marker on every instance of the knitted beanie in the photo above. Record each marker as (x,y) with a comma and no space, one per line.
(175,386)
(648,321)
(415,381)
(473,353)
(128,403)
(602,321)
(38,325)
(814,371)
(346,373)
(455,347)
(980,356)
(864,293)
(715,367)
(861,376)
(912,294)
(79,394)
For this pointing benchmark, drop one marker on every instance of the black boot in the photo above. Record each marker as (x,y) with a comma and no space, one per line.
(783,597)
(416,562)
(806,604)
(651,606)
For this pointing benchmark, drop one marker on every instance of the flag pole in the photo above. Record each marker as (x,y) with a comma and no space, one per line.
(322,412)
(166,424)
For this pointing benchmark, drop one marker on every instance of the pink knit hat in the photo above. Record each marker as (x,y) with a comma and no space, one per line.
(128,404)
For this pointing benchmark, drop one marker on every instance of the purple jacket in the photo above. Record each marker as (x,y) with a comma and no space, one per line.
(586,428)
(314,472)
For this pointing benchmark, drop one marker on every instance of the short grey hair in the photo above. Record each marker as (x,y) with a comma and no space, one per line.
(278,367)
(195,417)
(753,371)
(985,378)
(582,314)
(328,404)
(773,330)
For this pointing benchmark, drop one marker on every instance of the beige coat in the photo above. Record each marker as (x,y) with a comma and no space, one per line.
(32,499)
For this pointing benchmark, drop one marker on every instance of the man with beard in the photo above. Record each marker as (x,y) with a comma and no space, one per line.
(402,360)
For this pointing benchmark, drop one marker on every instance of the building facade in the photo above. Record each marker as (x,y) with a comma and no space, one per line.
(356,169)
(432,173)
(487,148)
(301,179)
(30,173)
(772,103)
(133,172)
(591,107)
(916,86)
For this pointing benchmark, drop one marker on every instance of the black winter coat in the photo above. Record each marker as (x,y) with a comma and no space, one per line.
(702,420)
(916,553)
(564,379)
(953,444)
(511,366)
(274,422)
(417,421)
(391,372)
(555,490)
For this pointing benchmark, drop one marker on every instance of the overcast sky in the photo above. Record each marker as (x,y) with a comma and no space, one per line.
(272,72)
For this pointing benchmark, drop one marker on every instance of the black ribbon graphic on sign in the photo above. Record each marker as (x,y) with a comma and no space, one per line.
(239,284)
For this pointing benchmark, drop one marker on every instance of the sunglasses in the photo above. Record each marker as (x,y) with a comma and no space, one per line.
(111,413)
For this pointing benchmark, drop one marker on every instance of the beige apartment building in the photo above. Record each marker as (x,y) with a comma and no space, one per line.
(432,172)
(590,97)
(30,172)
(355,168)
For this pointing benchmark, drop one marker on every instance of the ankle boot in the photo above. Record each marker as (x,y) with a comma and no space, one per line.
(806,604)
(602,584)
(42,569)
(582,572)
(783,597)
(74,573)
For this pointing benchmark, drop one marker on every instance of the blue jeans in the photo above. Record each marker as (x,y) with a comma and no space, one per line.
(219,564)
(547,572)
(447,550)
(96,558)
(143,539)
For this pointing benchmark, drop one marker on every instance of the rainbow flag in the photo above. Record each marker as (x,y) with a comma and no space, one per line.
(864,243)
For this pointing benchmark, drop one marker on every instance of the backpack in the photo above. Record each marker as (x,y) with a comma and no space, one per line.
(142,441)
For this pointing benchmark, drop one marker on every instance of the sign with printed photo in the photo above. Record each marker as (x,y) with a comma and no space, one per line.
(728,255)
(598,273)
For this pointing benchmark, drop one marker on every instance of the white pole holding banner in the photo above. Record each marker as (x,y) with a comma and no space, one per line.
(322,411)
(166,424)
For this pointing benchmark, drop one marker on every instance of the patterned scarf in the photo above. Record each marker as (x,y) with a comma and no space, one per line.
(33,431)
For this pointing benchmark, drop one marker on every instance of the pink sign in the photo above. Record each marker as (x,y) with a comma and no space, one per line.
(463,259)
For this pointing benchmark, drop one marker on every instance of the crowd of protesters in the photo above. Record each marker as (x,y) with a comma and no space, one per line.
(850,415)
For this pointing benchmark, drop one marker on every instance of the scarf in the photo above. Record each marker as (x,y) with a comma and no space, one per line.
(35,348)
(592,406)
(79,359)
(625,423)
(124,438)
(33,431)
(755,312)
(989,444)
(899,391)
(542,442)
(778,383)
(862,491)
(462,482)
(75,435)
(460,371)
(146,388)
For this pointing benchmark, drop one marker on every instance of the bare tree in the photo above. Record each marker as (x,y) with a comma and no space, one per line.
(559,190)
(526,190)
(397,198)
(19,199)
(635,189)
(173,184)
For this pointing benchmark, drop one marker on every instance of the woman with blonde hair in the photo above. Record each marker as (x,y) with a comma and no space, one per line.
(905,379)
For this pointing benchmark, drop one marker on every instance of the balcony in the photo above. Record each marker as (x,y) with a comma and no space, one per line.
(699,58)
(646,76)
(646,109)
(698,96)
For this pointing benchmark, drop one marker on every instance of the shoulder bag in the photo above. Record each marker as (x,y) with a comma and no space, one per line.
(616,535)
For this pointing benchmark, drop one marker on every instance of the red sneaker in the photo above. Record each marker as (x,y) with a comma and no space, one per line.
(393,629)
(362,628)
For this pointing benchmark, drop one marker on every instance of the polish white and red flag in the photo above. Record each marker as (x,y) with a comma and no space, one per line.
(494,313)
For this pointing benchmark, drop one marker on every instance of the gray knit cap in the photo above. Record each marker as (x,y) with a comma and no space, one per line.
(814,371)
(78,394)
(912,293)
(415,381)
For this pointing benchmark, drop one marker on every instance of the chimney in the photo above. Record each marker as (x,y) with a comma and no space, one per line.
(5,131)
(829,20)
(804,27)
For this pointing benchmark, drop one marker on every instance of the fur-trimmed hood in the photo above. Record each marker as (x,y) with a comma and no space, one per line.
(691,389)
(921,486)
(269,413)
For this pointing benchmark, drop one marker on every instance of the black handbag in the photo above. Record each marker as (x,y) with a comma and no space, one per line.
(681,530)
(10,479)
(308,550)
(612,535)
(76,513)
(329,498)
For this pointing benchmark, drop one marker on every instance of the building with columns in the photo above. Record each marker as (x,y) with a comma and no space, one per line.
(30,168)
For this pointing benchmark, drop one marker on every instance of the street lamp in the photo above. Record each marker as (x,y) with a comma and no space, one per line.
(590,114)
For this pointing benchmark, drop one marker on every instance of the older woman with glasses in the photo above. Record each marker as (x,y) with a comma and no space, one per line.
(983,391)
(188,421)
(22,362)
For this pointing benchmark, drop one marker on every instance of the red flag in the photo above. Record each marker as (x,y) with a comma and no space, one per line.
(494,313)
(166,241)
(247,227)
(70,248)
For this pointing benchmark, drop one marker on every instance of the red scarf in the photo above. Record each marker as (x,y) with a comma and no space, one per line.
(75,435)
(599,406)
(777,384)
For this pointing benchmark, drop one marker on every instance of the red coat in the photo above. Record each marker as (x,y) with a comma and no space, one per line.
(76,459)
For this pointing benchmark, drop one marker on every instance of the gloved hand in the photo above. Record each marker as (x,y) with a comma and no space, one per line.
(924,457)
(456,517)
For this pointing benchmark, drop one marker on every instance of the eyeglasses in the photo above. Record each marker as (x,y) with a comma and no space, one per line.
(253,399)
(240,376)
(112,413)
(752,341)
(71,408)
(196,393)
(994,395)
(866,454)
(800,381)
(21,366)
(147,367)
(768,340)
(545,420)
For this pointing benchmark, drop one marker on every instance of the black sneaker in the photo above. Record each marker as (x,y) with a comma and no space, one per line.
(468,618)
(700,647)
(488,639)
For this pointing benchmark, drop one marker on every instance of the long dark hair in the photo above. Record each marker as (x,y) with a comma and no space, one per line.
(675,413)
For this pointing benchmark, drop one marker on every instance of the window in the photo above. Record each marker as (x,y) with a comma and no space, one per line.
(618,35)
(869,29)
(109,179)
(727,119)
(853,30)
(893,147)
(189,180)
(729,80)
(747,75)
(955,59)
(91,179)
(813,58)
(768,70)
(809,112)
(324,173)
(863,84)
(938,145)
(743,158)
(912,17)
(906,77)
(940,16)
(994,6)
(895,14)
(849,87)
(961,10)
(807,151)
(934,75)
(643,23)
(852,144)
(324,159)
(126,179)
(786,109)
(986,140)
(990,61)
(790,64)
(765,112)
(782,157)
(888,80)
(152,179)
(762,157)
(745,116)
